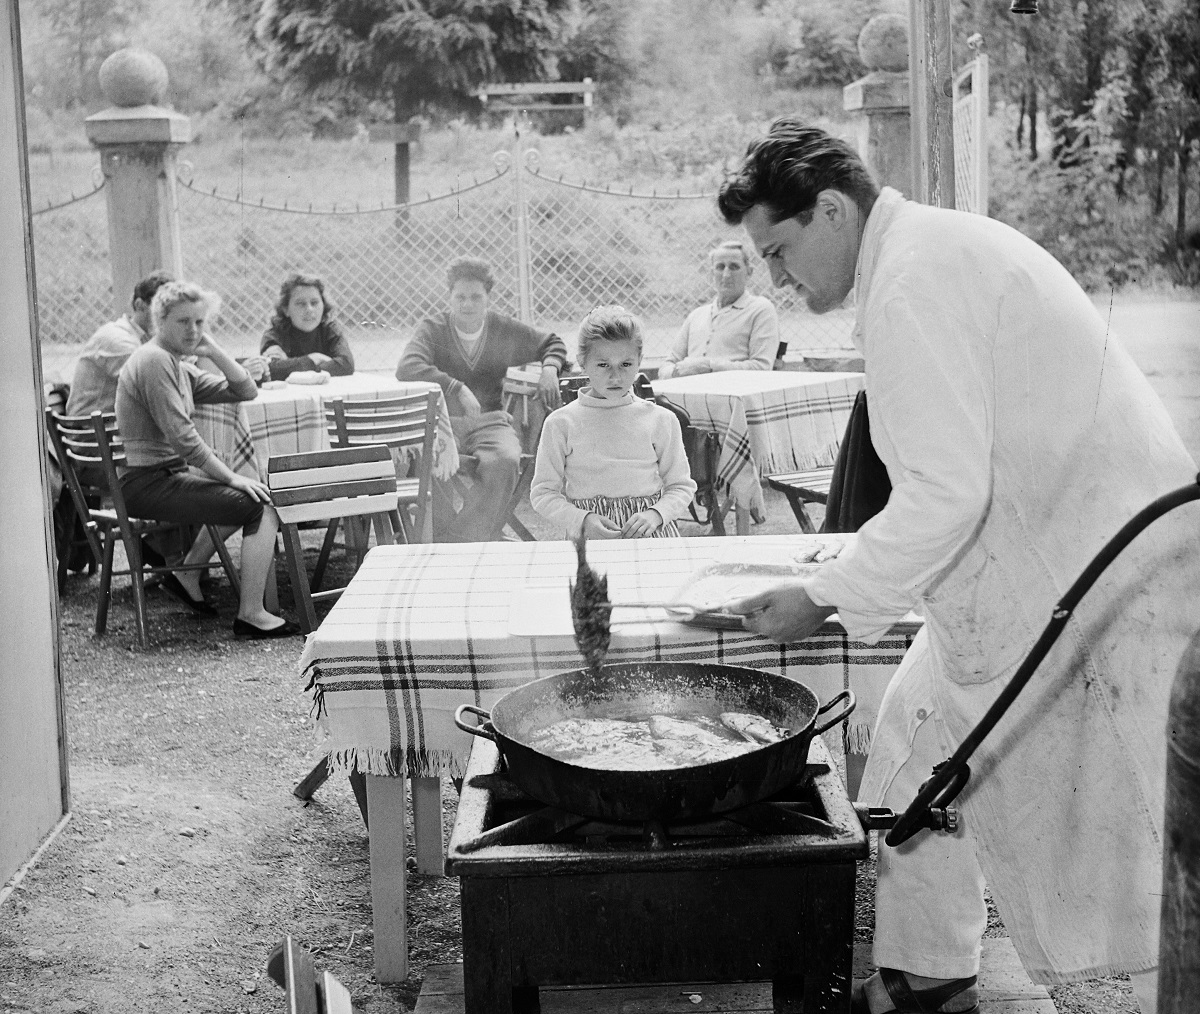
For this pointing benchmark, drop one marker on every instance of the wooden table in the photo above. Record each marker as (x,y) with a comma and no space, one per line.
(779,421)
(291,420)
(422,629)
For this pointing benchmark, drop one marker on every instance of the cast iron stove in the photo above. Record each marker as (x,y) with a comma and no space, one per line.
(554,899)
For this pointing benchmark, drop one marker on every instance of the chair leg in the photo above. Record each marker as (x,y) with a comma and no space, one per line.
(133,551)
(383,533)
(231,571)
(323,557)
(802,518)
(296,574)
(106,569)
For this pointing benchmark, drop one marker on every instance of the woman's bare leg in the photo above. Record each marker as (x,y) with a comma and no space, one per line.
(201,552)
(258,561)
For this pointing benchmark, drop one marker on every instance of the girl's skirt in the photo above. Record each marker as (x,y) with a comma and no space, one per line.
(620,509)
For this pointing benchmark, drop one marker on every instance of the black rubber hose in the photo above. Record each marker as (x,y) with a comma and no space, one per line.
(912,820)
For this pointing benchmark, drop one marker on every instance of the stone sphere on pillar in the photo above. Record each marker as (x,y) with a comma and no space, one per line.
(883,43)
(133,77)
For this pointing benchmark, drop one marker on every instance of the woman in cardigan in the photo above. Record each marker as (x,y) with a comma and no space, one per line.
(303,335)
(171,474)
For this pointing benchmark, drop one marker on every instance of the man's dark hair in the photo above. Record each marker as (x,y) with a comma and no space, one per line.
(470,269)
(148,286)
(787,169)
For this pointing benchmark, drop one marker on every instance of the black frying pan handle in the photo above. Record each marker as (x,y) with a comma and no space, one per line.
(845,695)
(483,729)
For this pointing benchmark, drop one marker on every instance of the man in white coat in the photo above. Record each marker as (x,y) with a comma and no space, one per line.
(1018,437)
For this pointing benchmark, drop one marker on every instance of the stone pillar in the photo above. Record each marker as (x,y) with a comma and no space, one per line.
(881,100)
(138,141)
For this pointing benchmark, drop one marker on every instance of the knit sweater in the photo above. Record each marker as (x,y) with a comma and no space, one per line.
(436,354)
(297,345)
(156,393)
(593,447)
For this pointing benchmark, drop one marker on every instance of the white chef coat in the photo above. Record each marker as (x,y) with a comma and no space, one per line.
(1019,436)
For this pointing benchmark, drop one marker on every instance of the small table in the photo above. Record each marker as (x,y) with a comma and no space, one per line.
(291,420)
(422,629)
(766,422)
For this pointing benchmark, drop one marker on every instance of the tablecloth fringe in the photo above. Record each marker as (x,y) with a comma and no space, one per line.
(393,762)
(787,462)
(857,738)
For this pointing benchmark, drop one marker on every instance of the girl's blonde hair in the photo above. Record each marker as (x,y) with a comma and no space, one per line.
(171,294)
(609,324)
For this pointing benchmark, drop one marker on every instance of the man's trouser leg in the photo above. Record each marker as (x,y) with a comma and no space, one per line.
(929,909)
(498,450)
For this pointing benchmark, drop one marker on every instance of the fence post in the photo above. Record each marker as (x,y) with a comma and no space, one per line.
(931,85)
(524,291)
(138,142)
(882,101)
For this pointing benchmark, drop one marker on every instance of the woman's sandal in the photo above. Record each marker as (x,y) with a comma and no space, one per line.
(912,1001)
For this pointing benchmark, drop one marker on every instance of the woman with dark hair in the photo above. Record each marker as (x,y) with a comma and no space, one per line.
(303,334)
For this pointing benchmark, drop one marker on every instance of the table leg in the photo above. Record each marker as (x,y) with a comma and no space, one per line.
(385,802)
(427,825)
(743,519)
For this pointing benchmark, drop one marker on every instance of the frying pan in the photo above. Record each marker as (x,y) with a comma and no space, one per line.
(676,689)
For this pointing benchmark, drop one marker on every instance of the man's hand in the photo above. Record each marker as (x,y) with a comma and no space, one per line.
(548,388)
(784,613)
(249,486)
(596,526)
(642,524)
(468,402)
(274,352)
(320,359)
(692,366)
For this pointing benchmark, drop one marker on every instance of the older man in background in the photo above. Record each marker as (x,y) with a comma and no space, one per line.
(736,331)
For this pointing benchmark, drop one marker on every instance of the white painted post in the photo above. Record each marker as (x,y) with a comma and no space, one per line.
(524,287)
(389,876)
(931,83)
(138,141)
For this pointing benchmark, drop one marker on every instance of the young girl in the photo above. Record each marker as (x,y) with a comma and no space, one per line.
(609,463)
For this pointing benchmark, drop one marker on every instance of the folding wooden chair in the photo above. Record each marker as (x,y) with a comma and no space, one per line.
(802,488)
(406,423)
(336,485)
(291,966)
(92,442)
(72,548)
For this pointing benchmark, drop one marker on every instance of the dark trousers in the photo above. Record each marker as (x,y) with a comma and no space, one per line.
(188,496)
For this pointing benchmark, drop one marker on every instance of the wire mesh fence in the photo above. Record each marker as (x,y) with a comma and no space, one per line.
(74,279)
(384,269)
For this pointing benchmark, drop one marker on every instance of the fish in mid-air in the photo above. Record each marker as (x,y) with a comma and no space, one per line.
(590,610)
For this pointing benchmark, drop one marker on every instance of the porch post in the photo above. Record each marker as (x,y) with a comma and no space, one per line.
(138,141)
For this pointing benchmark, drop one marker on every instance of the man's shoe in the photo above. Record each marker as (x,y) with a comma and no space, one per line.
(907,1000)
(242,628)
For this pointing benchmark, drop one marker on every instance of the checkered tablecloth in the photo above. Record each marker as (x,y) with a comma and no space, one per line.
(291,419)
(767,422)
(423,629)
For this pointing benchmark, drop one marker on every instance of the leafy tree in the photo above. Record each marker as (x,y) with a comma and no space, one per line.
(417,53)
(89,30)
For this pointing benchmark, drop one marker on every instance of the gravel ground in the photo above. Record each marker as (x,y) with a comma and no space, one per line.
(187,857)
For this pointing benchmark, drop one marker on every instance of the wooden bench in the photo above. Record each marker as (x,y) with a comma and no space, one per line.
(802,488)
(291,966)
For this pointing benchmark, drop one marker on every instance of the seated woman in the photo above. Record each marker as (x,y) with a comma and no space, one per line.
(171,474)
(302,335)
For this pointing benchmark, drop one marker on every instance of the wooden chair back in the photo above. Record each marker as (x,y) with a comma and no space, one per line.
(90,444)
(343,483)
(406,423)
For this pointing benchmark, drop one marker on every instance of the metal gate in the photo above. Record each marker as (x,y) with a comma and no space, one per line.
(971,133)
